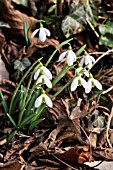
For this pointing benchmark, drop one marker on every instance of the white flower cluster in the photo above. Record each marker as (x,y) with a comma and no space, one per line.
(43,76)
(88,61)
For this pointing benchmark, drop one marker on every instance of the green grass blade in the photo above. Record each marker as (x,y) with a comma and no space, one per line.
(80,50)
(10,137)
(26,35)
(35,123)
(21,98)
(26,120)
(12,120)
(30,104)
(4,103)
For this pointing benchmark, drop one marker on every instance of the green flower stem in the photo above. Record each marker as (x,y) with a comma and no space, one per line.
(16,90)
(59,91)
(38,112)
(29,83)
(63,43)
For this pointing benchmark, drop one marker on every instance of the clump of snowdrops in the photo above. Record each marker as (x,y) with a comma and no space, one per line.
(32,101)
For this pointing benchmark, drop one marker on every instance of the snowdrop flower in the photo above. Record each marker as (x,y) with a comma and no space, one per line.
(78,81)
(87,60)
(70,56)
(45,71)
(92,83)
(43,98)
(43,32)
(44,80)
(81,70)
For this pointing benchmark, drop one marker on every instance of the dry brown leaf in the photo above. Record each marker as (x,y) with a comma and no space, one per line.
(14,165)
(106,153)
(76,155)
(15,19)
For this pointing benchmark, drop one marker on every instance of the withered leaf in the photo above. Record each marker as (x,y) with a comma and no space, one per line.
(15,19)
(10,165)
(76,155)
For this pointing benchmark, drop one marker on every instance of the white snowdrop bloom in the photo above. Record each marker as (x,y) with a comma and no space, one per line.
(81,70)
(45,71)
(87,60)
(79,81)
(43,32)
(43,98)
(70,56)
(92,82)
(44,80)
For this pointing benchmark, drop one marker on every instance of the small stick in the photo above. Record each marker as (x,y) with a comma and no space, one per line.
(108,126)
(92,27)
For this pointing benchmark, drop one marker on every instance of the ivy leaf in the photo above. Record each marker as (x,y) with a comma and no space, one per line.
(76,21)
(26,62)
(21,2)
(22,65)
(106,40)
(99,122)
(106,28)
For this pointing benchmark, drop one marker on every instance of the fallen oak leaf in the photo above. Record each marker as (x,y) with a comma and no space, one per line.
(76,155)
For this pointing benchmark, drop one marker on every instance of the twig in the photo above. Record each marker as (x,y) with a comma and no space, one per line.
(108,126)
(108,90)
(59,7)
(106,53)
(92,27)
(85,135)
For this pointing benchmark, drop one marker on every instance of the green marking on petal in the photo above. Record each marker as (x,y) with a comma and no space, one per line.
(92,83)
(43,81)
(79,82)
(41,72)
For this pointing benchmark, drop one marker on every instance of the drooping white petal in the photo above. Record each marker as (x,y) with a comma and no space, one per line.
(38,101)
(83,83)
(92,58)
(97,84)
(87,60)
(62,55)
(34,33)
(47,82)
(47,73)
(48,100)
(88,89)
(36,74)
(86,73)
(42,35)
(47,32)
(74,84)
(39,80)
(90,82)
(70,60)
(72,54)
(82,61)
(86,86)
